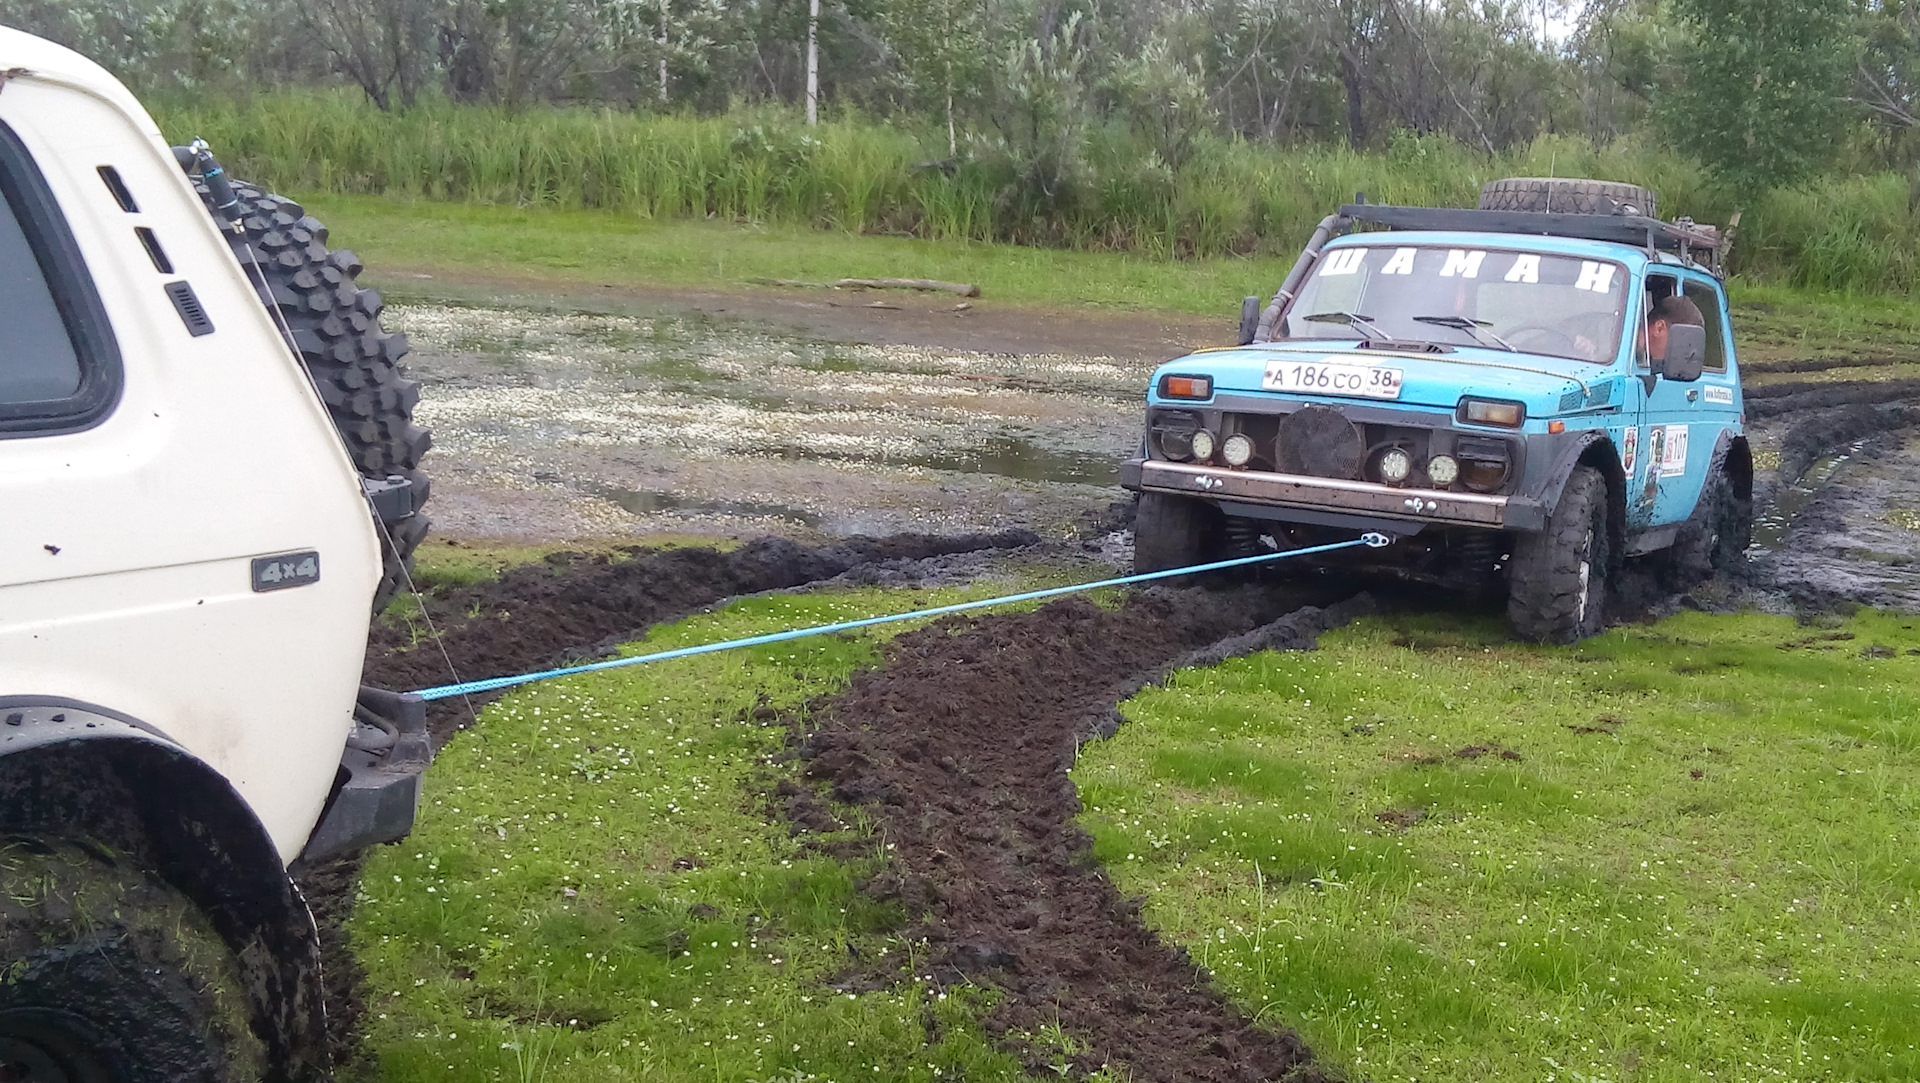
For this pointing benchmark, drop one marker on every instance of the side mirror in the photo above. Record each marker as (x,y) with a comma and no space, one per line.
(1249,320)
(1686,352)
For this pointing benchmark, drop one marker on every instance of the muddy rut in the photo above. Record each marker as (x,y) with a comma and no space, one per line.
(960,745)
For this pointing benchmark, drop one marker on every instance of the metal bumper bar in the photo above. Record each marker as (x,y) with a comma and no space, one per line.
(1333,495)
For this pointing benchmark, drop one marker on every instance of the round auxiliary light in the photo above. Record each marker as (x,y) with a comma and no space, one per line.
(1395,465)
(1443,470)
(1238,450)
(1202,445)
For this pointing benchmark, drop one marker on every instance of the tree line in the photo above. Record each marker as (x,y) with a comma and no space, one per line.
(1763,92)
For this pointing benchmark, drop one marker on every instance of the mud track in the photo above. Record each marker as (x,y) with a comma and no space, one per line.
(960,745)
(570,607)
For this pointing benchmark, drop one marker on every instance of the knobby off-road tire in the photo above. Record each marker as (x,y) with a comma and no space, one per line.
(1566,196)
(1174,532)
(1557,580)
(108,975)
(354,361)
(1714,540)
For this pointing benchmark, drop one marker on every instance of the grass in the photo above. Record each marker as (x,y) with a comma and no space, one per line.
(1675,852)
(1853,233)
(599,886)
(560,248)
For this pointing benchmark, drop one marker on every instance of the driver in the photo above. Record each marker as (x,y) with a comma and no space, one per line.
(1666,312)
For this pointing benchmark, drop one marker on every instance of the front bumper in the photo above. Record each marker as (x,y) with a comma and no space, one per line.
(1331,495)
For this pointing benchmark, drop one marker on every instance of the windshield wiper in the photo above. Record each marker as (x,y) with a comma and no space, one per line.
(1476,328)
(1362,324)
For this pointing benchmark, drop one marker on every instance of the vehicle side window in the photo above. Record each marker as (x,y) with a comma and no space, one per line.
(59,370)
(1708,300)
(1659,287)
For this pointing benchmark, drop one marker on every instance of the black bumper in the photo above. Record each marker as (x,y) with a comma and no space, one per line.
(1335,496)
(378,792)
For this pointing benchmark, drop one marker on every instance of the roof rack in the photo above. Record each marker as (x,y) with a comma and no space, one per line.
(1684,237)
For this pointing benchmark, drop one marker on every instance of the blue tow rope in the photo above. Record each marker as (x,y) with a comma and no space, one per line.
(494,684)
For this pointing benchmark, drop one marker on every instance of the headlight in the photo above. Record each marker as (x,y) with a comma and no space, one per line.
(1202,444)
(1238,450)
(1186,387)
(1490,412)
(1442,470)
(1395,465)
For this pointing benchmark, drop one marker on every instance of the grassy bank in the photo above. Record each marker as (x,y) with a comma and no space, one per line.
(857,176)
(1676,852)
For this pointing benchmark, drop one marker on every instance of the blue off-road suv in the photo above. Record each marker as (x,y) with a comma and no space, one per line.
(1486,387)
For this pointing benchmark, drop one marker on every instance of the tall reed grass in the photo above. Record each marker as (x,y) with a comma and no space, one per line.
(1850,233)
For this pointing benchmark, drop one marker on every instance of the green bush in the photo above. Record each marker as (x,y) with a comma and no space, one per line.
(1229,197)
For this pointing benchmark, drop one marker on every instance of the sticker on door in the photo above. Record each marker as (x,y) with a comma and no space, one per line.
(1673,457)
(1629,450)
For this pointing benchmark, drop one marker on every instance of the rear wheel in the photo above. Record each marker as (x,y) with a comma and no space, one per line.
(333,326)
(111,976)
(1174,532)
(1714,540)
(1557,579)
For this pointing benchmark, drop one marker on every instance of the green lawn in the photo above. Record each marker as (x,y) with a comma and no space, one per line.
(570,248)
(600,886)
(590,247)
(1678,852)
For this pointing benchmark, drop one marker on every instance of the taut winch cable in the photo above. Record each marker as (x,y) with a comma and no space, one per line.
(494,684)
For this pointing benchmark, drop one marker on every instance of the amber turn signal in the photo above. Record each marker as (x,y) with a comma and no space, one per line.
(1186,387)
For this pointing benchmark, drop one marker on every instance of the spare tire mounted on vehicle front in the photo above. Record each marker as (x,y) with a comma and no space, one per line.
(333,326)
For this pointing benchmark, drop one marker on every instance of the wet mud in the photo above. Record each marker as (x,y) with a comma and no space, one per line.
(959,747)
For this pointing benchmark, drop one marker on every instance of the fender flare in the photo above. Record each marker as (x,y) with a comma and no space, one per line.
(77,770)
(1547,476)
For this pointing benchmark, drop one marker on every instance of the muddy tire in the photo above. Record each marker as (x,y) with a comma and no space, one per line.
(1174,532)
(109,975)
(1557,580)
(1566,196)
(1714,540)
(334,328)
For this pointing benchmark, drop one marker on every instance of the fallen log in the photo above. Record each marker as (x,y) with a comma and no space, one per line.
(926,285)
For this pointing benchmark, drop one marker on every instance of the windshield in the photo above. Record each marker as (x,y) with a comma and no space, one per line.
(1529,302)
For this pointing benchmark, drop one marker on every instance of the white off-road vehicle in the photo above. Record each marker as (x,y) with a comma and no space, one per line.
(200,496)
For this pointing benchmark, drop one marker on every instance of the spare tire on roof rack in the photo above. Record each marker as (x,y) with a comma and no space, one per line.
(1562,195)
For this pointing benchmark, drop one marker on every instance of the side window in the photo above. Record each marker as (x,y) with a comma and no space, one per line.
(37,360)
(1708,300)
(1659,287)
(59,369)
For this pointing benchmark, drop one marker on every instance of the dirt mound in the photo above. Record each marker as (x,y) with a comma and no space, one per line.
(1775,400)
(960,744)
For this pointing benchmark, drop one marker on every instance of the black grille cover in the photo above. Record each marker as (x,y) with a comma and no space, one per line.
(1318,441)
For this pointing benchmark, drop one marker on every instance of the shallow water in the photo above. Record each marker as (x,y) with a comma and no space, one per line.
(692,418)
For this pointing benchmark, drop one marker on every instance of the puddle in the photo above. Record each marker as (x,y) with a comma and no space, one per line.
(696,419)
(643,503)
(1012,457)
(1770,527)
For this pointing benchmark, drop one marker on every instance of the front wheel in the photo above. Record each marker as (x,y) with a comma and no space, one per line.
(1174,532)
(108,975)
(1557,580)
